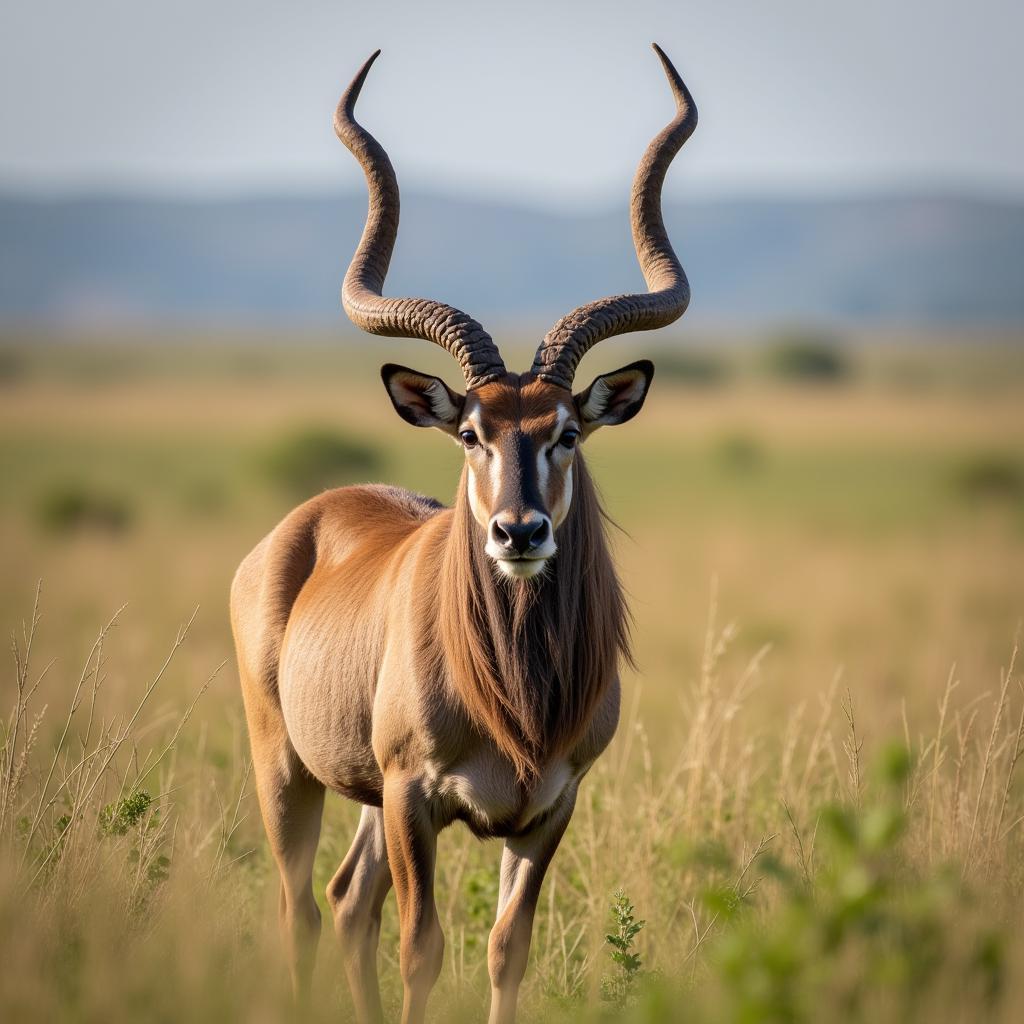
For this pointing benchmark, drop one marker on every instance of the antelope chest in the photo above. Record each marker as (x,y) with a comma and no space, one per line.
(485,793)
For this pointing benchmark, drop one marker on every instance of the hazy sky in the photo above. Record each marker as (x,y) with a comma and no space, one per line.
(528,100)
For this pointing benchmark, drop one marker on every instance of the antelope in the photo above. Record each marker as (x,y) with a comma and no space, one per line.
(440,664)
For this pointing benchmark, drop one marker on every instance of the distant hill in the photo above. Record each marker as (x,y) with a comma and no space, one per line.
(99,260)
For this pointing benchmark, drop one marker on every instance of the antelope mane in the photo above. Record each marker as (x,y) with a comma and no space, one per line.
(531,659)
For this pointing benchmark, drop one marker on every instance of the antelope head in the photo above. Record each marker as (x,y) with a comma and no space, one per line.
(519,432)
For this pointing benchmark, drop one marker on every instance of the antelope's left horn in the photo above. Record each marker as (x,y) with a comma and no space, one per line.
(361,294)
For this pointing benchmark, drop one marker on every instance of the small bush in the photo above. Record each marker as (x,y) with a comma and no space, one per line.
(620,986)
(70,506)
(697,369)
(989,475)
(13,366)
(864,935)
(738,452)
(204,497)
(116,819)
(807,358)
(481,899)
(312,460)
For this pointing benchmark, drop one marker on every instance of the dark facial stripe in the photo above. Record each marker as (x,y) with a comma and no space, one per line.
(520,490)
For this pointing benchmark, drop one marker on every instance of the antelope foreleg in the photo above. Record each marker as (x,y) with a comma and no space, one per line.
(524,863)
(412,845)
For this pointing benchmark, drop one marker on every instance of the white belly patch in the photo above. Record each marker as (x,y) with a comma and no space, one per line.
(492,797)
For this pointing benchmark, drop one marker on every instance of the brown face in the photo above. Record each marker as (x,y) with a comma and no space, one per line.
(520,436)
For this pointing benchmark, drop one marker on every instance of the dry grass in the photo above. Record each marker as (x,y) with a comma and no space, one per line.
(135,867)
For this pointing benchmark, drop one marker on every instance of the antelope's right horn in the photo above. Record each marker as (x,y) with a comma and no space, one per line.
(669,291)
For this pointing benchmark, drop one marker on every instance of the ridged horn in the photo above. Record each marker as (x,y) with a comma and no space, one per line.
(668,292)
(361,293)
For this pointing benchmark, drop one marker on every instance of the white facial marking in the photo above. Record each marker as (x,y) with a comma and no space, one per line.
(475,506)
(475,503)
(472,422)
(494,472)
(521,568)
(543,456)
(566,498)
(559,509)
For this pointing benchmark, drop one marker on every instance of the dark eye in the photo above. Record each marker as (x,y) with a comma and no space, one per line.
(569,439)
(469,438)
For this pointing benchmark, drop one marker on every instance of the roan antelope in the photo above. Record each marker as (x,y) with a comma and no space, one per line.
(439,664)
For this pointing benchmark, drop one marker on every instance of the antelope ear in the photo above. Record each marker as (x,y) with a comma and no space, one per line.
(422,400)
(615,397)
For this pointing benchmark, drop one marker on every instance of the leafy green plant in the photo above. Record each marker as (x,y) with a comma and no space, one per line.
(619,987)
(738,453)
(807,357)
(69,506)
(115,819)
(864,937)
(13,365)
(481,899)
(696,369)
(989,475)
(314,459)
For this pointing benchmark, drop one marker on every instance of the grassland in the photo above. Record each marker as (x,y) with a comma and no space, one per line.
(814,800)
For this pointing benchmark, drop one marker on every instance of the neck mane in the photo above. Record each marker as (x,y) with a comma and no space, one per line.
(530,660)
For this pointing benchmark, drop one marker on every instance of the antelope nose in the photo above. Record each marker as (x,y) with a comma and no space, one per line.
(513,535)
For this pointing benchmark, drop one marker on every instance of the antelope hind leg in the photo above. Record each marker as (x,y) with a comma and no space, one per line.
(356,895)
(291,802)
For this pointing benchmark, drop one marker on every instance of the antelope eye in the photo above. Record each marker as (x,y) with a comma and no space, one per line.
(569,439)
(469,438)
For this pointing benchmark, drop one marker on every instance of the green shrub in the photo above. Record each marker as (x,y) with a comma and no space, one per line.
(480,900)
(13,366)
(862,937)
(989,475)
(698,369)
(204,497)
(311,460)
(738,452)
(808,358)
(116,819)
(70,506)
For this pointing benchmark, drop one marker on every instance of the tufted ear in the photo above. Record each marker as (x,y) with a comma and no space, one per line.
(422,400)
(615,397)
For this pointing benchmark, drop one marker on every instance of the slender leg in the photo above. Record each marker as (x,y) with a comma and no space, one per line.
(524,863)
(412,845)
(356,895)
(291,802)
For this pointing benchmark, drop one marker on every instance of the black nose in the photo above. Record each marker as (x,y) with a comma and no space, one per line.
(513,535)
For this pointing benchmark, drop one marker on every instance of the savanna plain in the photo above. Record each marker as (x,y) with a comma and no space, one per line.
(814,806)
